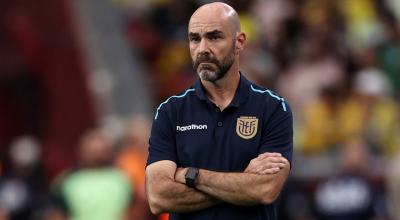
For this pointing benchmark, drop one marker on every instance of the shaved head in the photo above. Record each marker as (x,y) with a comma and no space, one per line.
(220,12)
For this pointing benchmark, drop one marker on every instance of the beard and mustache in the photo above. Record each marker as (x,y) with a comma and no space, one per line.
(209,68)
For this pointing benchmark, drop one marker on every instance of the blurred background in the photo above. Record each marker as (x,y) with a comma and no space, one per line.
(80,81)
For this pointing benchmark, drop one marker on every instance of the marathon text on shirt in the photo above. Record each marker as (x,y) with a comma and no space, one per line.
(191,127)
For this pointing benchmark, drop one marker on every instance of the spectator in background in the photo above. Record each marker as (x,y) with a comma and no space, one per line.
(395,6)
(96,190)
(173,71)
(315,67)
(132,160)
(320,131)
(368,113)
(388,53)
(23,187)
(362,22)
(268,40)
(351,194)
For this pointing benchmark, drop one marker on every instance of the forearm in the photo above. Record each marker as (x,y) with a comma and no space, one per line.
(167,195)
(241,188)
(176,197)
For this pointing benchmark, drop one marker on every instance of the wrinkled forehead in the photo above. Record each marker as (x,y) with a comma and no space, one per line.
(204,25)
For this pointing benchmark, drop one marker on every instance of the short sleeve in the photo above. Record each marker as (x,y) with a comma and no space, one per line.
(278,132)
(162,138)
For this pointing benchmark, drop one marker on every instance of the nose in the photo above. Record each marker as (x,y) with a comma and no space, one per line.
(203,46)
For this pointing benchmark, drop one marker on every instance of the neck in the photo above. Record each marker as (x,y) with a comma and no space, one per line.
(222,92)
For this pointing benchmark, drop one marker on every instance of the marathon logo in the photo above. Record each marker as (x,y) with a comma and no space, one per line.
(191,127)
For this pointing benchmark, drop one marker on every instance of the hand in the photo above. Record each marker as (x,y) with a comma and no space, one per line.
(266,163)
(180,175)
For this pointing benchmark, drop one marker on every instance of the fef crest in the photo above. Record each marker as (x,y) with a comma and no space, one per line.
(246,127)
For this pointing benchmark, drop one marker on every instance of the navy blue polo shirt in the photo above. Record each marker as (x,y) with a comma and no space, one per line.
(191,131)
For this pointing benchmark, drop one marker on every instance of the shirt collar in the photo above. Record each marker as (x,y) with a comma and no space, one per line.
(240,95)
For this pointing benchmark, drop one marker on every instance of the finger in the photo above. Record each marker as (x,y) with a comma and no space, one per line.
(281,165)
(279,159)
(260,157)
(262,171)
(272,165)
(269,154)
(272,160)
(259,166)
(265,164)
(270,171)
(266,155)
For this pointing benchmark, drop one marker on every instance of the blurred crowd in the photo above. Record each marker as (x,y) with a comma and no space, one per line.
(336,62)
(106,182)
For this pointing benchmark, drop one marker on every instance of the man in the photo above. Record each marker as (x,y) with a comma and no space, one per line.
(221,149)
(95,191)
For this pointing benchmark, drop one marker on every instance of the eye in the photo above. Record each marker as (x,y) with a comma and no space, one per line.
(194,39)
(214,37)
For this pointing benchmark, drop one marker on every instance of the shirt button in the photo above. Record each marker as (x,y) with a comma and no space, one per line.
(216,110)
(219,124)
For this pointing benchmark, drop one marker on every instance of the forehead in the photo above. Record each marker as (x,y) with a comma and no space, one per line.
(207,25)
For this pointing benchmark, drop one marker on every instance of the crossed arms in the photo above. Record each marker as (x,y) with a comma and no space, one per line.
(260,183)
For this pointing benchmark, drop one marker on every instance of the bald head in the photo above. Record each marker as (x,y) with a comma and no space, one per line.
(217,12)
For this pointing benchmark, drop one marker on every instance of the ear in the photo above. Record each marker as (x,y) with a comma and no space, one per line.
(240,41)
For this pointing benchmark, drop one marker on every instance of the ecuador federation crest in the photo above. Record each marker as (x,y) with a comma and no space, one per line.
(246,127)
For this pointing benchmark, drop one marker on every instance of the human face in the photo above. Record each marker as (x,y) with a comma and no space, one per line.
(212,48)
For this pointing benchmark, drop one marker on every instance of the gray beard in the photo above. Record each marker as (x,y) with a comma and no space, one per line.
(210,73)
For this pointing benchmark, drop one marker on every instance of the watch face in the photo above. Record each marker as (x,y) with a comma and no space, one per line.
(191,173)
(191,176)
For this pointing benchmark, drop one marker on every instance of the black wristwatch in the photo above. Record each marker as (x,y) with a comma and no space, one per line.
(191,176)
